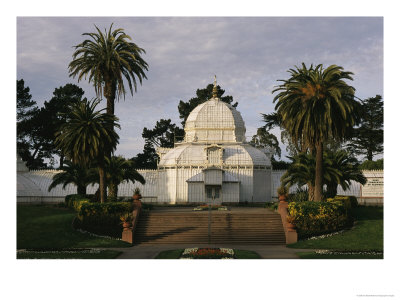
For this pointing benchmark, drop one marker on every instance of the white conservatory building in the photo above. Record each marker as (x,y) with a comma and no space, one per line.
(214,162)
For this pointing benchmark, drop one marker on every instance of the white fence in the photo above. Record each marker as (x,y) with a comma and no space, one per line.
(33,187)
(371,193)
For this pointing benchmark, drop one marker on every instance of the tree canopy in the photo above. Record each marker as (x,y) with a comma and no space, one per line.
(367,138)
(108,59)
(316,104)
(87,137)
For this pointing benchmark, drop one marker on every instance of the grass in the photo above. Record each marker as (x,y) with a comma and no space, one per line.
(175,254)
(49,227)
(312,255)
(103,254)
(367,234)
(170,254)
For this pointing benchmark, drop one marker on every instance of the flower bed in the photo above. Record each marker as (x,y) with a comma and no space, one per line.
(208,253)
(335,252)
(213,207)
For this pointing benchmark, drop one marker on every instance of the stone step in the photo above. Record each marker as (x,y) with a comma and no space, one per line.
(226,227)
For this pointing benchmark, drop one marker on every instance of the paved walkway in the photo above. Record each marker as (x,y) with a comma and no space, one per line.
(265,251)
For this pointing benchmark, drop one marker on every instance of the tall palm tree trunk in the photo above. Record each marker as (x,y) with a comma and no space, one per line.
(310,191)
(109,92)
(318,172)
(81,190)
(102,183)
(113,190)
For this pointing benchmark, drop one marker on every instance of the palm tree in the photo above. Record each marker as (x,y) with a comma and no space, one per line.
(75,174)
(87,136)
(348,167)
(118,170)
(316,104)
(339,169)
(302,172)
(107,58)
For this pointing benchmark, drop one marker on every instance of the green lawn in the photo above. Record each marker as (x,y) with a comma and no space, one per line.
(103,254)
(367,234)
(175,254)
(49,227)
(170,254)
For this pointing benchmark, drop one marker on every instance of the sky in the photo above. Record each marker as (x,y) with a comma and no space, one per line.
(248,55)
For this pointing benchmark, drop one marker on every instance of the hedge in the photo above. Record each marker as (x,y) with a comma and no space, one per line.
(316,218)
(99,218)
(349,201)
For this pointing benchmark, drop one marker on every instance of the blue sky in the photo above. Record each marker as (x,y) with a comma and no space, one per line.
(248,55)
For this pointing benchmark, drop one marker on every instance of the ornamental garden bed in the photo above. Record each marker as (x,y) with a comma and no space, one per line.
(207,253)
(339,254)
(213,207)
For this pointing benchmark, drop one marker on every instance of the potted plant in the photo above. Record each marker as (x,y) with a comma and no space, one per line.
(126,221)
(283,192)
(290,221)
(136,194)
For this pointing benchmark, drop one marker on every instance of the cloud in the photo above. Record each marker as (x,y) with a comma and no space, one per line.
(247,54)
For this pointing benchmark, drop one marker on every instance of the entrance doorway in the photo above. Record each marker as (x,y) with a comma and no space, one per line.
(213,194)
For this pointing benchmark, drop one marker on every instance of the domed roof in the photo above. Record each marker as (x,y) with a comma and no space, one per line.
(215,121)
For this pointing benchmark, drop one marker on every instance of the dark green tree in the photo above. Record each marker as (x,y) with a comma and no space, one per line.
(316,104)
(164,134)
(146,159)
(367,138)
(55,111)
(32,146)
(26,107)
(372,164)
(265,139)
(108,59)
(88,136)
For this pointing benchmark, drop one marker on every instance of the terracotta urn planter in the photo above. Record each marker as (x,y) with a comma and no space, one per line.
(282,198)
(137,197)
(290,226)
(127,225)
(137,203)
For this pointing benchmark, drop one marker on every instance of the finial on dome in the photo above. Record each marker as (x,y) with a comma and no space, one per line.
(214,91)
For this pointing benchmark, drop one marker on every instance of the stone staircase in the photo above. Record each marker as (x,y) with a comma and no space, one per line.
(252,226)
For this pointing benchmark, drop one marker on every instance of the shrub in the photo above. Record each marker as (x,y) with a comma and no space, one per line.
(315,218)
(349,202)
(299,196)
(372,165)
(102,218)
(76,200)
(282,190)
(272,205)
